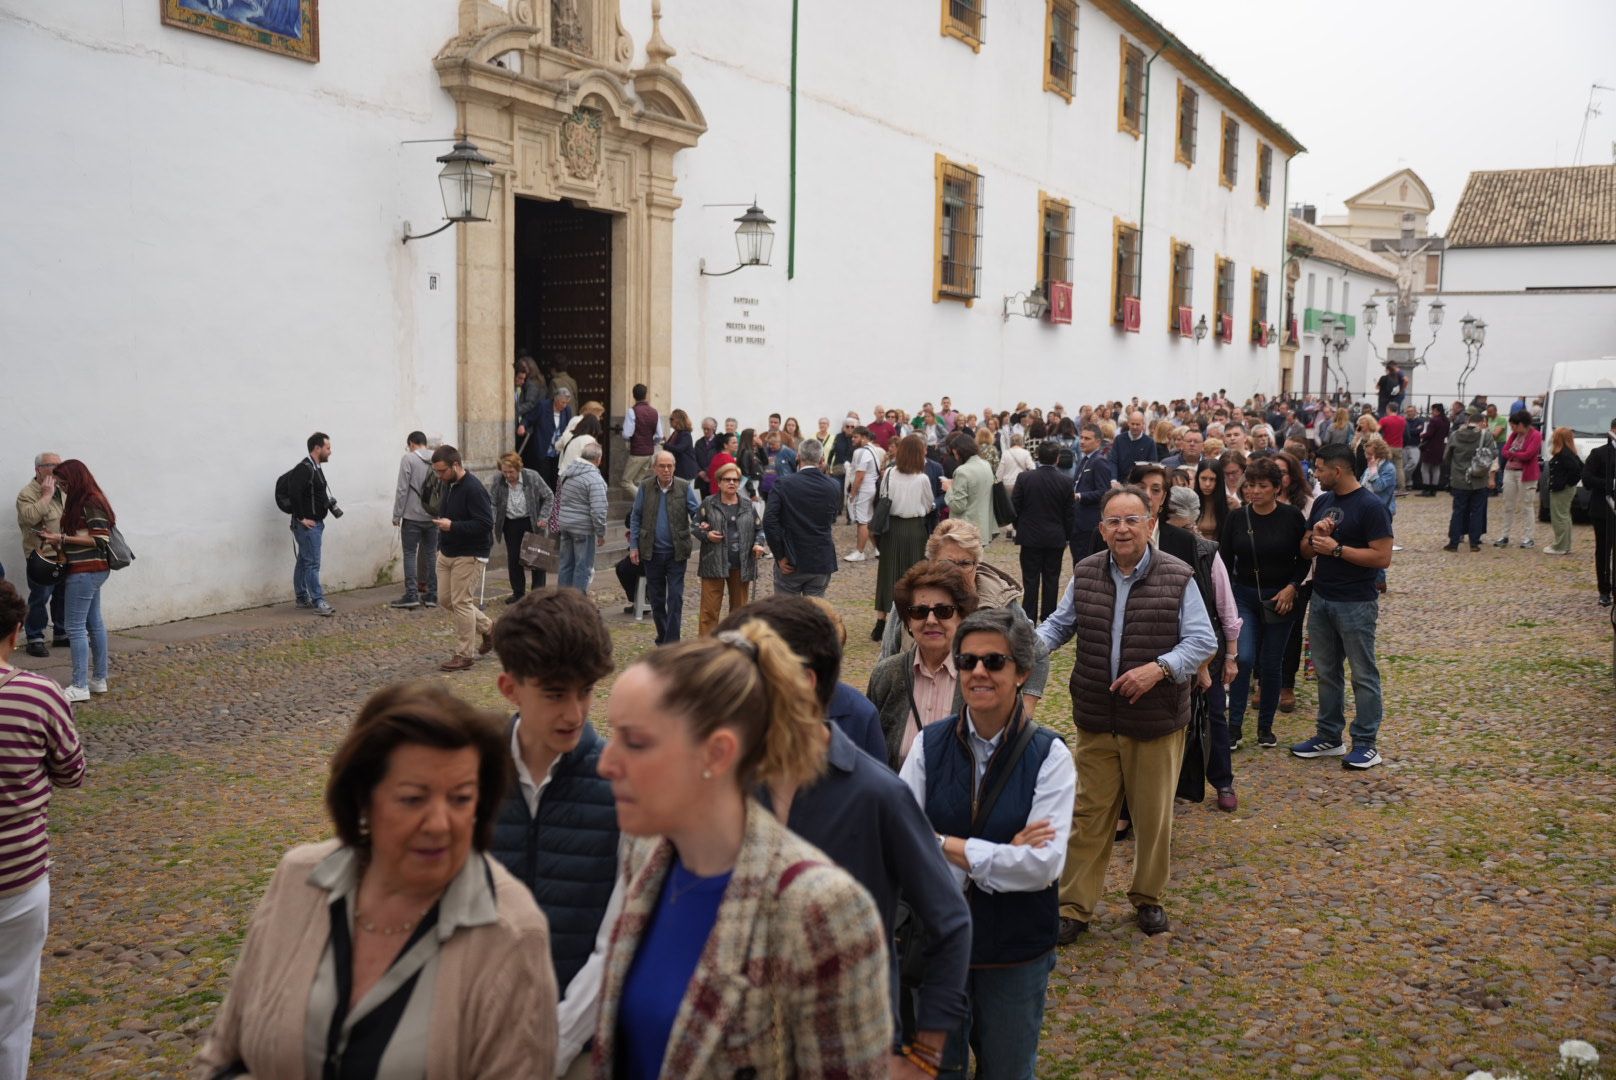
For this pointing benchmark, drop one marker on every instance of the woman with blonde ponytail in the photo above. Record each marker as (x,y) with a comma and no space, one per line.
(741,950)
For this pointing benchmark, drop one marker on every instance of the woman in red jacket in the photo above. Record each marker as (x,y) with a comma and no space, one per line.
(1522,460)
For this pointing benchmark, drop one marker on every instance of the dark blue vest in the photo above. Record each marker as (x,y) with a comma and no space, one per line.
(1008,927)
(567,856)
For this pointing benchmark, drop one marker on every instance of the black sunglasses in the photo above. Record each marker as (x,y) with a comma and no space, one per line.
(993,661)
(918,612)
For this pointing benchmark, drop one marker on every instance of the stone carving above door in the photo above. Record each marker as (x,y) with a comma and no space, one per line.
(580,143)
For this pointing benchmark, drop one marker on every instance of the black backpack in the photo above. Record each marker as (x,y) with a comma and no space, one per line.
(431,494)
(283,490)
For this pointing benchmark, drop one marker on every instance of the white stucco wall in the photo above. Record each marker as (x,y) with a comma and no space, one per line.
(858,324)
(1337,289)
(1567,266)
(200,264)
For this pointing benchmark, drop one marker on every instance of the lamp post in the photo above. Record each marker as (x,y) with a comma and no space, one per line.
(1333,337)
(754,241)
(1474,333)
(467,185)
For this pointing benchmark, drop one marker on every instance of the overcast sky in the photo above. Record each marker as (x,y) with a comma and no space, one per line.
(1440,86)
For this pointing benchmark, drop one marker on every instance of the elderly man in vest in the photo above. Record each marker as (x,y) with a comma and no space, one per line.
(659,539)
(1142,631)
(642,430)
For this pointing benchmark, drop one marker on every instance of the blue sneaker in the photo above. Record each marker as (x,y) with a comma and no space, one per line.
(1319,746)
(1362,757)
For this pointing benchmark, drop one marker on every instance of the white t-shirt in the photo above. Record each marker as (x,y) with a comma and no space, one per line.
(865,460)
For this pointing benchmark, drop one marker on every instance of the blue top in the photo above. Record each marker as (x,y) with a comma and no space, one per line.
(685,912)
(1362,519)
(858,718)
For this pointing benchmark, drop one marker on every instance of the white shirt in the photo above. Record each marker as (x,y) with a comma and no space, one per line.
(1011,867)
(576,1013)
(628,427)
(910,493)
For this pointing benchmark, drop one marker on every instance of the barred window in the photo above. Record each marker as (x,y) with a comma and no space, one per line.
(1229,164)
(1125,266)
(965,19)
(1265,173)
(1131,94)
(959,231)
(1223,301)
(1183,279)
(1259,303)
(1189,107)
(1055,240)
(1061,70)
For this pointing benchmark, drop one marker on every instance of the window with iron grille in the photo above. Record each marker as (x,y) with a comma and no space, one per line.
(1060,71)
(1183,279)
(1131,93)
(1265,173)
(966,20)
(1189,108)
(1259,303)
(1229,163)
(1223,302)
(1055,240)
(1125,266)
(959,231)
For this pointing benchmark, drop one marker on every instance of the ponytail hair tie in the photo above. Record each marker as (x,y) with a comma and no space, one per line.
(737,640)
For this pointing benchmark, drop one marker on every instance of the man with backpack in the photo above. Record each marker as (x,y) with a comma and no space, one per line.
(417,500)
(302,493)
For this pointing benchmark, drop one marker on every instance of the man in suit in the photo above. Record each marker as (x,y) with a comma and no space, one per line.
(541,428)
(1599,477)
(1043,501)
(1094,475)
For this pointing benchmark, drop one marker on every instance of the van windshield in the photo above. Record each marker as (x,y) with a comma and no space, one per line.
(1587,412)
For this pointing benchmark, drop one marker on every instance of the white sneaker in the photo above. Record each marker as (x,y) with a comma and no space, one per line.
(98,686)
(78,693)
(854,556)
(1397,547)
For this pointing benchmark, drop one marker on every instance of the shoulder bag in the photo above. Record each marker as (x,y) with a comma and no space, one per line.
(541,548)
(881,512)
(1270,614)
(1004,510)
(116,549)
(42,571)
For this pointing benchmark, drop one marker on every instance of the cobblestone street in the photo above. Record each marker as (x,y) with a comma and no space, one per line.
(1448,911)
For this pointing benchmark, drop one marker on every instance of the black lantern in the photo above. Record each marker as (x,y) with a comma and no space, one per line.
(754,240)
(467,185)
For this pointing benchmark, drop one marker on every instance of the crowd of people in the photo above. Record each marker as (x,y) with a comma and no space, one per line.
(765,871)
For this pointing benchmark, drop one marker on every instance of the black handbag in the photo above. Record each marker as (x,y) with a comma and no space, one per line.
(1004,510)
(1197,751)
(1270,613)
(42,571)
(881,512)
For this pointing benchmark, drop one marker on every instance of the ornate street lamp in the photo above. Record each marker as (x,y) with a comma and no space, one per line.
(754,241)
(1033,304)
(1201,329)
(1474,333)
(467,185)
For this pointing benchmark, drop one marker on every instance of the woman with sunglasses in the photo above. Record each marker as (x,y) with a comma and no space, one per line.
(921,684)
(731,542)
(999,789)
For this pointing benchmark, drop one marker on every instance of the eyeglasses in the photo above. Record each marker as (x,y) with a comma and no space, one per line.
(993,661)
(1131,520)
(919,612)
(729,480)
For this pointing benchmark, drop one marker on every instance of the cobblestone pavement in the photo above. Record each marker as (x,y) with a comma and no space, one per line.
(1447,911)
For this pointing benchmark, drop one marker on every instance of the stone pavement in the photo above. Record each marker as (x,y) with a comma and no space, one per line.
(1450,910)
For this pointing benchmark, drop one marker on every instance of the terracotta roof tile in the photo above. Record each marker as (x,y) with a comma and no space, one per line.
(1521,207)
(1331,248)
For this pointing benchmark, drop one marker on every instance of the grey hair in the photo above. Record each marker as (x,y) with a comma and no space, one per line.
(955,531)
(590,452)
(810,452)
(39,459)
(660,454)
(1183,502)
(1017,633)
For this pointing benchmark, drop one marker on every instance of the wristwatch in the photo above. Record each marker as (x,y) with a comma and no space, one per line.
(1339,548)
(1166,669)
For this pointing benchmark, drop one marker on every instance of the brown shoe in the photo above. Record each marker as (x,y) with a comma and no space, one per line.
(457,663)
(1287,700)
(485,644)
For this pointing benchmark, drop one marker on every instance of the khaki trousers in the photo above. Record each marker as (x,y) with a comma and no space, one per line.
(712,598)
(636,469)
(458,577)
(1109,767)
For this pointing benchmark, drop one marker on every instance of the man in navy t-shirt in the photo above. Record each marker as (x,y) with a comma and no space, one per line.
(1349,538)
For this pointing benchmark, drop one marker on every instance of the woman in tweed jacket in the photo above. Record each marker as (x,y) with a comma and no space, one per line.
(742,951)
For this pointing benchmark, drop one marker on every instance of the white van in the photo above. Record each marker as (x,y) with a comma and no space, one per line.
(1582,397)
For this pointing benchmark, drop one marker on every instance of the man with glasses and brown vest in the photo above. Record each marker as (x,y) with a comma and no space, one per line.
(1142,631)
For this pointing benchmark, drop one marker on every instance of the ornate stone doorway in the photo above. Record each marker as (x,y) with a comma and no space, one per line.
(545,88)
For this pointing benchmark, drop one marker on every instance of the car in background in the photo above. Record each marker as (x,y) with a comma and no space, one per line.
(1582,397)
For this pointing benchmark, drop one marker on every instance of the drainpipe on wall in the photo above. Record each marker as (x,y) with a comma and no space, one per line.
(1144,157)
(1284,257)
(791,222)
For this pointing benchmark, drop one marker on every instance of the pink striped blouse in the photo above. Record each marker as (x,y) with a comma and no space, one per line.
(39,748)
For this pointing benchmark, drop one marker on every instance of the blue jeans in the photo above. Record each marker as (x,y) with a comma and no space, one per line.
(800,584)
(1343,632)
(1469,515)
(306,570)
(86,633)
(47,606)
(420,559)
(665,585)
(577,561)
(1262,646)
(1007,1013)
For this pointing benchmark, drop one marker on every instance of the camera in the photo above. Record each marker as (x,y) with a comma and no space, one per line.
(334,510)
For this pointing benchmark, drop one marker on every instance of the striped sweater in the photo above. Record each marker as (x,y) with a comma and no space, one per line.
(39,749)
(91,558)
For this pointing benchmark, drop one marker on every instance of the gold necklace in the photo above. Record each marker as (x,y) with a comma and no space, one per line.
(387,931)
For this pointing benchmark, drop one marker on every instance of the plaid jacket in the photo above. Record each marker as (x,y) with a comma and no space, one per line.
(793,979)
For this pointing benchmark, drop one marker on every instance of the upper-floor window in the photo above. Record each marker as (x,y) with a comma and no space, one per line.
(1125,267)
(1433,272)
(1131,92)
(1229,161)
(1183,278)
(966,20)
(1223,299)
(1189,108)
(1060,68)
(1259,303)
(1265,173)
(959,231)
(1054,240)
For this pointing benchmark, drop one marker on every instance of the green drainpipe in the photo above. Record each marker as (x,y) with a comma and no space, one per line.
(1144,157)
(1284,256)
(791,222)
